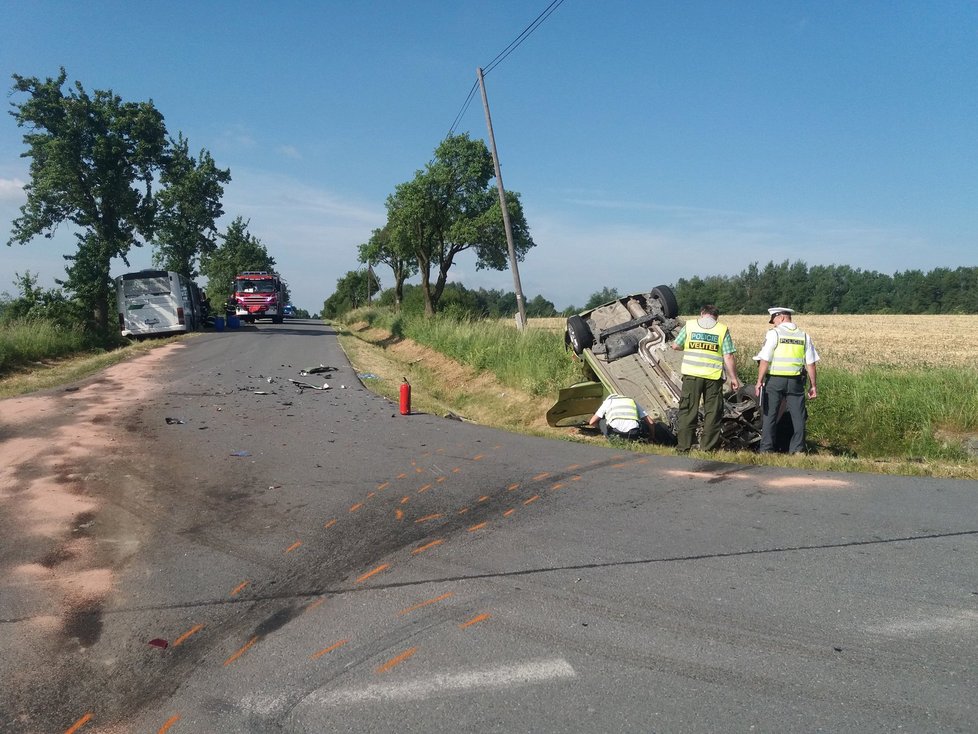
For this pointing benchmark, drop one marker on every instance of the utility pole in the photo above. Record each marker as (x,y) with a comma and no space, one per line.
(520,301)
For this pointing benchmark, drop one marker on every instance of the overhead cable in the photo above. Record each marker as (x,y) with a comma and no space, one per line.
(501,56)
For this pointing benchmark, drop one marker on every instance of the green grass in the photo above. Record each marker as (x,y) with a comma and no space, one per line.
(880,413)
(24,342)
(534,361)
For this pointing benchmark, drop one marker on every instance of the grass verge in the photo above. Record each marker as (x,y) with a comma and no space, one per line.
(878,420)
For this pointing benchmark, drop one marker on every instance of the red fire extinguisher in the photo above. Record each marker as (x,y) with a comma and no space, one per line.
(405,397)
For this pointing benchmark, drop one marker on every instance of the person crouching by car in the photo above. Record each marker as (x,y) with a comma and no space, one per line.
(621,416)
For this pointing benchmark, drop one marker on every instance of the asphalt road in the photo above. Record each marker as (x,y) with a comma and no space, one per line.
(317,562)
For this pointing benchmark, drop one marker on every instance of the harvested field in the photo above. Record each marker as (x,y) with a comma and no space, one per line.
(857,342)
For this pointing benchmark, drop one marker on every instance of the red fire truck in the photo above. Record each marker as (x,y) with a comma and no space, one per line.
(258,294)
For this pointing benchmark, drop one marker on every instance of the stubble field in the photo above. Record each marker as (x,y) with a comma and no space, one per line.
(859,342)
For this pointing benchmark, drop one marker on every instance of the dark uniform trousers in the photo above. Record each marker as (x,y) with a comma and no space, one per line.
(711,392)
(792,391)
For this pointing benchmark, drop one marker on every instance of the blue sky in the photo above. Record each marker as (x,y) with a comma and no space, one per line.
(649,140)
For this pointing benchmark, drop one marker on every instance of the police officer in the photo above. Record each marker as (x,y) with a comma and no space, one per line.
(708,350)
(787,357)
(621,416)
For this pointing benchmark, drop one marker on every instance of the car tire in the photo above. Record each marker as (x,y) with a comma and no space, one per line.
(579,334)
(667,299)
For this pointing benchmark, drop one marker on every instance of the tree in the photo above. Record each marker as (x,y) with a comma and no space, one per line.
(350,293)
(239,251)
(389,246)
(605,295)
(93,160)
(448,208)
(189,204)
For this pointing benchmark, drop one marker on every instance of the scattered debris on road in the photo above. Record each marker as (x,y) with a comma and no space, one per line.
(175,421)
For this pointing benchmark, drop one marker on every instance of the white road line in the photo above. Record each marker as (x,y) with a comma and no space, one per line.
(963,619)
(506,676)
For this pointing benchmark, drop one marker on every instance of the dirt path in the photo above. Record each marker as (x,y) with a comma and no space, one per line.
(64,455)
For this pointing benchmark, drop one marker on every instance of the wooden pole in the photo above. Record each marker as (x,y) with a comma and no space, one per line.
(520,301)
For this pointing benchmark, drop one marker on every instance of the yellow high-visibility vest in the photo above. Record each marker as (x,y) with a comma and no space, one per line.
(702,351)
(789,356)
(621,408)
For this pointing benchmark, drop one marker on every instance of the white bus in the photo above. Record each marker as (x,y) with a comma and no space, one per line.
(157,302)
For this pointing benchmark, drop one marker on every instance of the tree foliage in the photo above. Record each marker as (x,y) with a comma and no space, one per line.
(833,289)
(605,295)
(386,247)
(93,161)
(448,208)
(351,292)
(189,204)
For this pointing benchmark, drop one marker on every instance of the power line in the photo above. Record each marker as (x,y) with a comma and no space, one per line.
(465,107)
(518,41)
(501,56)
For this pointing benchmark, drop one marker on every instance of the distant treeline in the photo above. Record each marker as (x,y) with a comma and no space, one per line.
(826,289)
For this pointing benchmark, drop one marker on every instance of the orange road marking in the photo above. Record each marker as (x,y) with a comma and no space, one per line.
(329,523)
(478,457)
(463,510)
(558,485)
(426,602)
(239,588)
(572,467)
(292,547)
(483,498)
(314,604)
(401,475)
(242,651)
(621,465)
(383,485)
(642,461)
(441,479)
(511,487)
(576,478)
(399,514)
(357,506)
(433,516)
(456,470)
(169,722)
(426,546)
(541,475)
(334,646)
(397,660)
(419,470)
(187,635)
(80,723)
(425,488)
(370,494)
(478,527)
(404,499)
(534,498)
(509,512)
(379,569)
(474,620)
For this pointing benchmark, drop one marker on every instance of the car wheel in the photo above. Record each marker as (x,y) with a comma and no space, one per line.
(579,334)
(667,299)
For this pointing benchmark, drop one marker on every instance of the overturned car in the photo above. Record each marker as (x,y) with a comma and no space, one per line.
(625,348)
